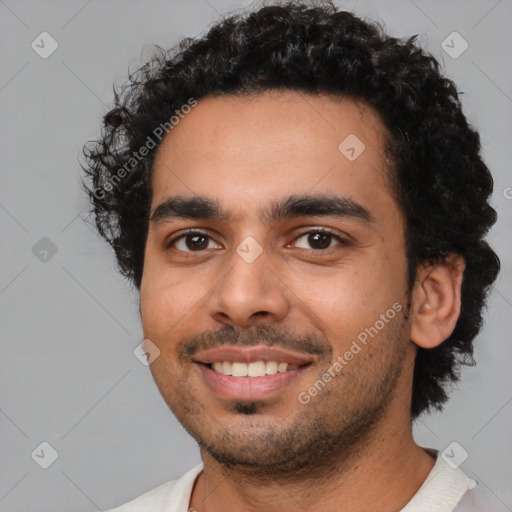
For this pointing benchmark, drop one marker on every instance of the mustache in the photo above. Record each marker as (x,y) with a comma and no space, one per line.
(254,335)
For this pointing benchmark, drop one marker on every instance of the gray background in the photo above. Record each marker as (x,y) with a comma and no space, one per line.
(70,324)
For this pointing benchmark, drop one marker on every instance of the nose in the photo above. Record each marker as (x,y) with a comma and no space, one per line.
(249,293)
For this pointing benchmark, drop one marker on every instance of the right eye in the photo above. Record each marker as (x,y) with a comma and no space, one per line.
(191,241)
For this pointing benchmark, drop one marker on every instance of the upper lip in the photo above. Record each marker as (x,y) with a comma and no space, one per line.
(251,355)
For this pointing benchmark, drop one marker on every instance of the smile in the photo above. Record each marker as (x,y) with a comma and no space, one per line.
(255,369)
(250,373)
(245,387)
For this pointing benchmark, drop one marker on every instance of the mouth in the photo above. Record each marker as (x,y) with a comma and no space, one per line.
(251,370)
(250,373)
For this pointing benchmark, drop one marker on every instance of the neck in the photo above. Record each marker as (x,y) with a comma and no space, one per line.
(383,472)
(388,470)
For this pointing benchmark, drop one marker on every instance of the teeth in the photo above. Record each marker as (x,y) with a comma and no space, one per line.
(237,369)
(255,369)
(226,368)
(271,367)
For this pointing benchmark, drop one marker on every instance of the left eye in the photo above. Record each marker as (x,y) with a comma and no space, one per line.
(320,240)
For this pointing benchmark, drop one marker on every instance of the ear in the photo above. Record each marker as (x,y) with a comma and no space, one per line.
(436,300)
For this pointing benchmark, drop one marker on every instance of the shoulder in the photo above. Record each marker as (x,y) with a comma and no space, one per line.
(480,499)
(448,489)
(175,493)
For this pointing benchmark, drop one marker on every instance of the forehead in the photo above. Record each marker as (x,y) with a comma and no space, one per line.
(246,150)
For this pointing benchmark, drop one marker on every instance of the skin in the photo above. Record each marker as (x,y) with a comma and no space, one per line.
(355,434)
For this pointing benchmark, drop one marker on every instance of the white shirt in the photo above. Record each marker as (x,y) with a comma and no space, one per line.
(445,490)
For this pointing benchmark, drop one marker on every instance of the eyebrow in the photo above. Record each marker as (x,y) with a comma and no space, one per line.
(203,208)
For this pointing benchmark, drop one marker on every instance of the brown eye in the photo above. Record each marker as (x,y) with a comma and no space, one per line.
(194,241)
(319,240)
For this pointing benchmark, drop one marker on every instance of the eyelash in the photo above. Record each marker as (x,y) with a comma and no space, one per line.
(325,231)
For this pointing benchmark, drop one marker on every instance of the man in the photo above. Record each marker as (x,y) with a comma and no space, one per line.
(301,204)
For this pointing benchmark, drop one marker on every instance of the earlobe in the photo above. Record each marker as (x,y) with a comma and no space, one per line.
(436,301)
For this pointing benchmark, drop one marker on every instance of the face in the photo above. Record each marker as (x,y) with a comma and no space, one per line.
(275,278)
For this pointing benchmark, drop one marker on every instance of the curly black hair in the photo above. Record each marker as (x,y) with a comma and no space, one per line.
(438,176)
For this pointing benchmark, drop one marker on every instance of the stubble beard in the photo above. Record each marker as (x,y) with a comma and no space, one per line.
(321,438)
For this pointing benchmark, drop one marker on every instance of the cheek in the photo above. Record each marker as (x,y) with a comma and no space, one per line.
(166,297)
(159,310)
(351,293)
(163,309)
(344,304)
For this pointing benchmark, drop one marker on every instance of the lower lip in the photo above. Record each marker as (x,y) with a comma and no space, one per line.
(248,388)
